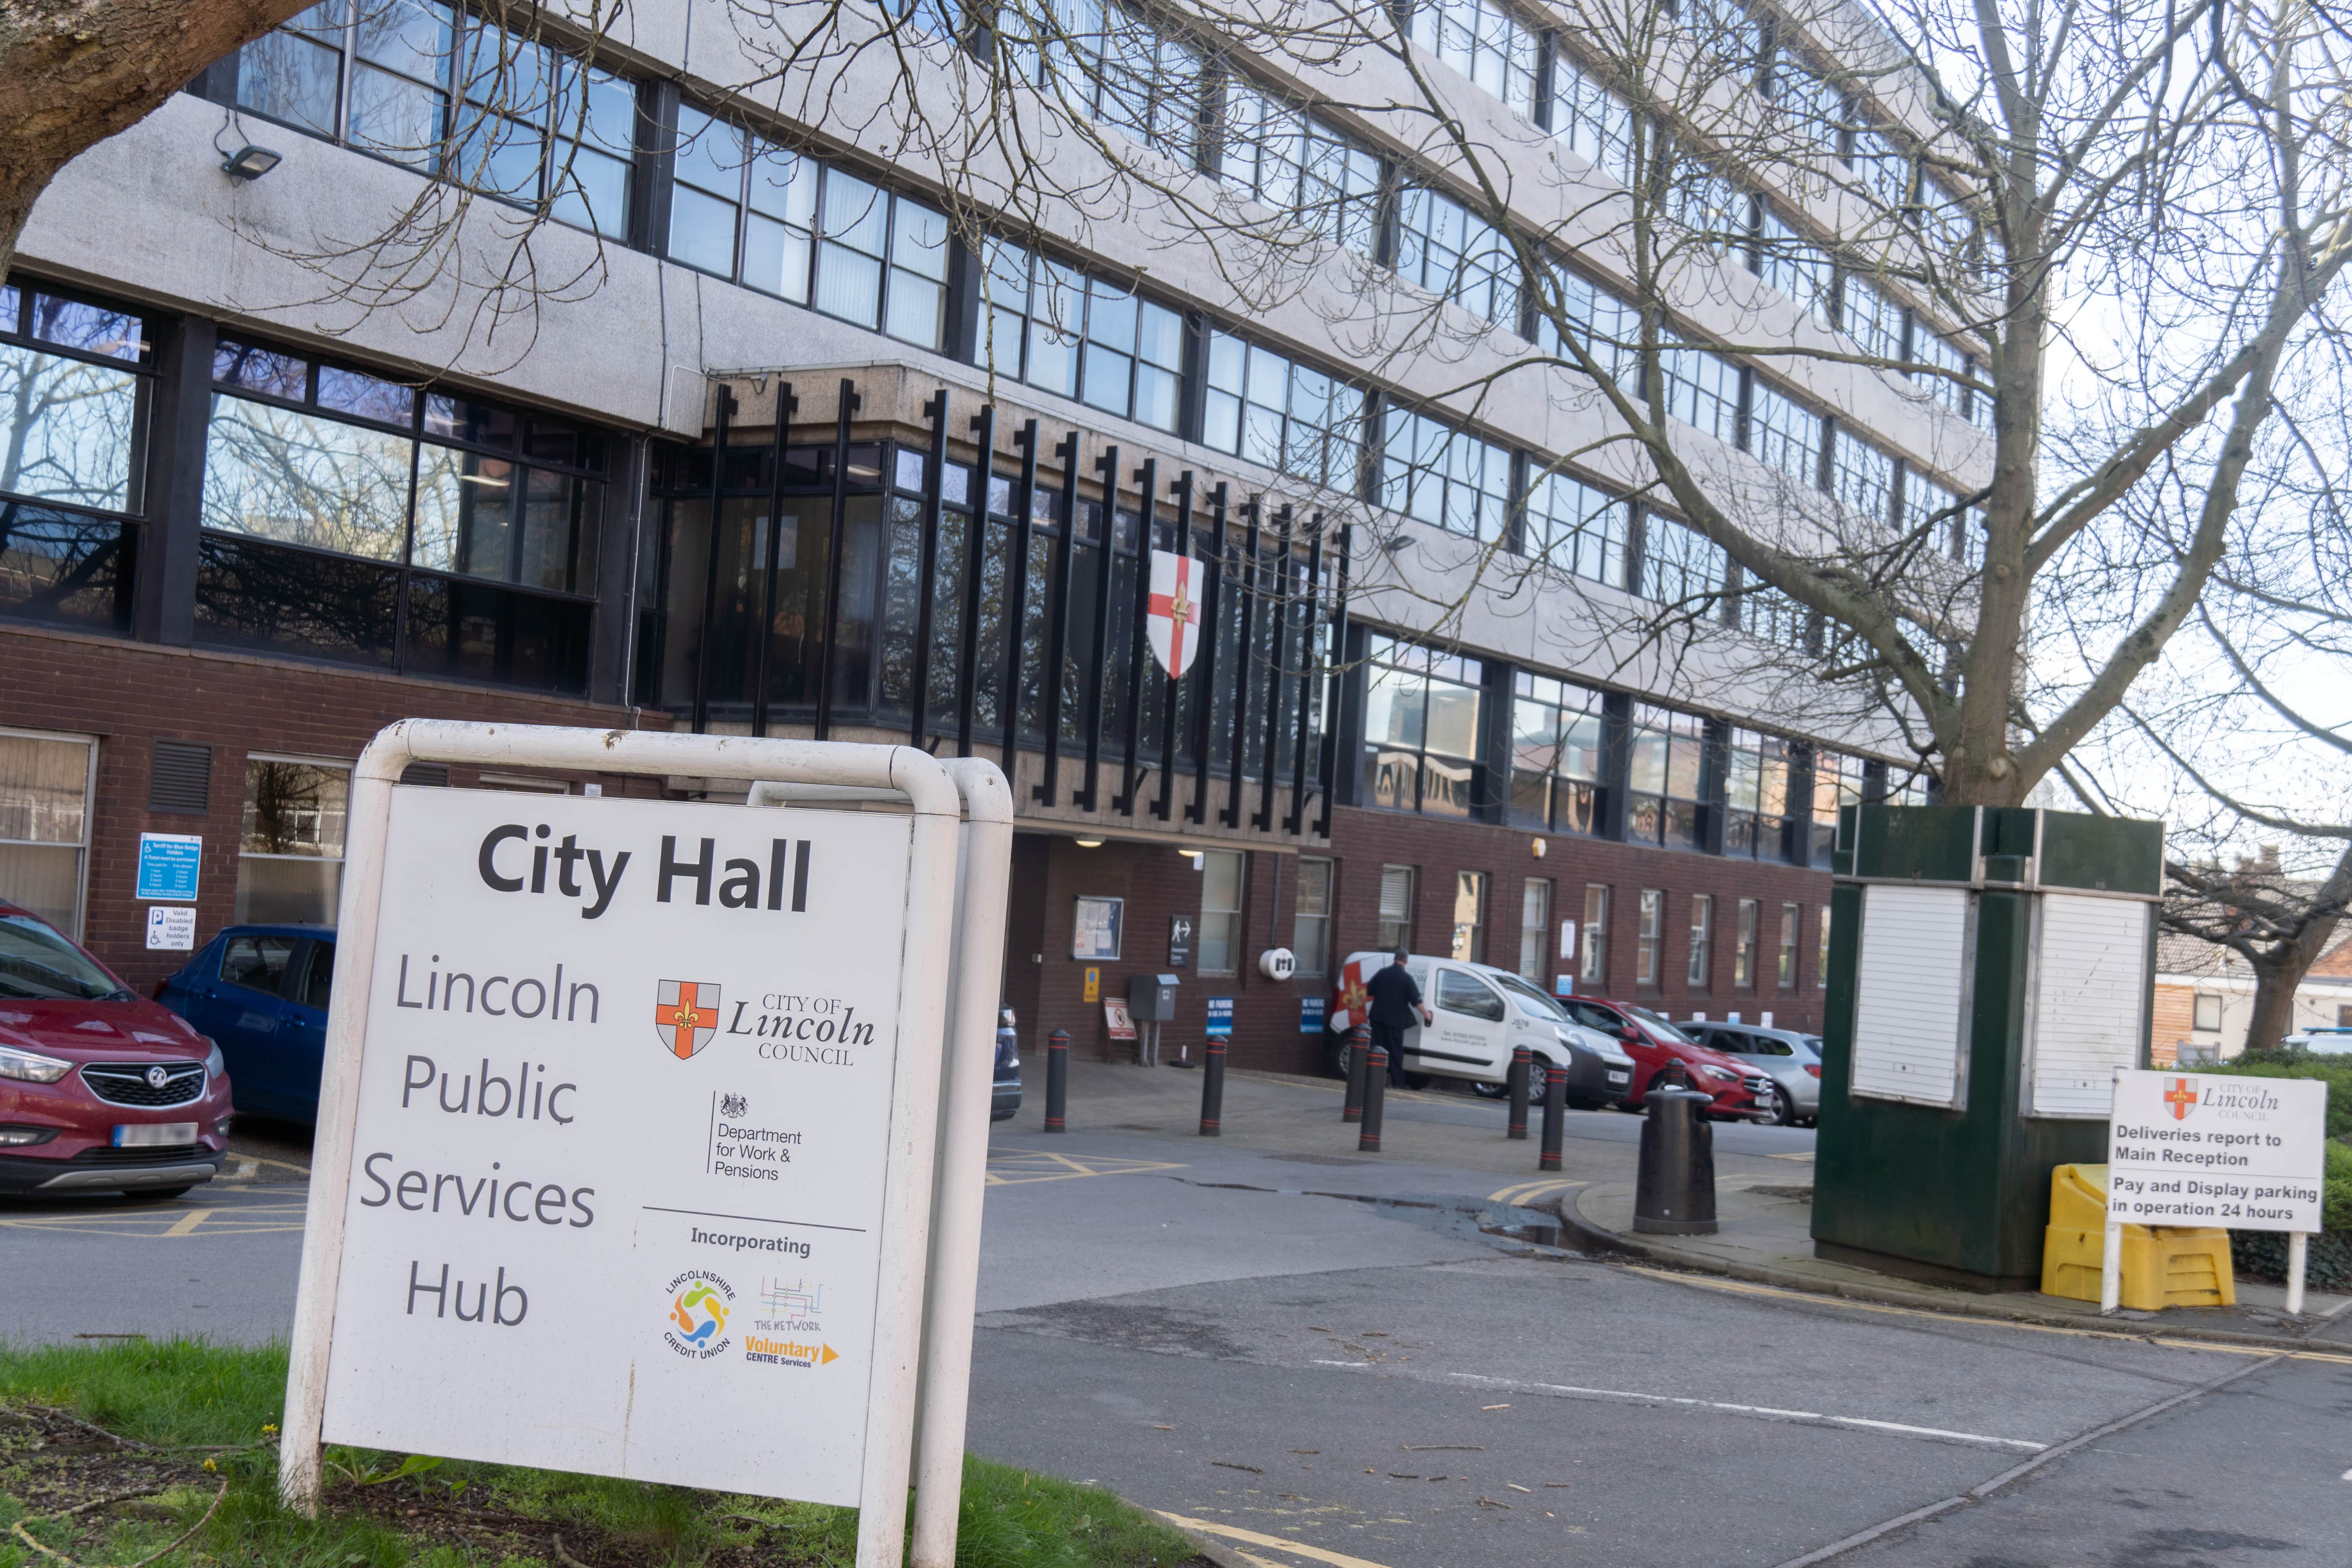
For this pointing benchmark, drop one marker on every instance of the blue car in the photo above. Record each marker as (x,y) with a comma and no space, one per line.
(261,991)
(1006,1099)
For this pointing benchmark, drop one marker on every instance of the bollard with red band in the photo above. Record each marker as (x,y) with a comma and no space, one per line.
(1057,1082)
(1555,1116)
(1376,1086)
(1360,1043)
(1521,1058)
(1212,1088)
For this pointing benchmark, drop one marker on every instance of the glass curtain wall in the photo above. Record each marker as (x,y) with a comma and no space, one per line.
(1557,767)
(1666,778)
(1421,731)
(1758,821)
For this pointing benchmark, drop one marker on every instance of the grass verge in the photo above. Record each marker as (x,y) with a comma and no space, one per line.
(166,1454)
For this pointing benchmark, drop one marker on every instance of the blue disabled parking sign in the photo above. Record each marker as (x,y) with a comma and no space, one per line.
(167,866)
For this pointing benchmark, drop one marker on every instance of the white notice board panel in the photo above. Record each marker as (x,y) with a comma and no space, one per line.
(1910,985)
(2090,983)
(618,1180)
(2192,1149)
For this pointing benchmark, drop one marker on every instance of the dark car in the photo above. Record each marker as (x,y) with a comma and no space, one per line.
(261,991)
(1664,1056)
(101,1089)
(1007,1098)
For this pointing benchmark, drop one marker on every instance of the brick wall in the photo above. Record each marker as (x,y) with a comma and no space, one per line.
(128,695)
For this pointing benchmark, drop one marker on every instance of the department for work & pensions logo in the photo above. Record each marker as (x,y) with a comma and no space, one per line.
(699,1305)
(2180,1094)
(686,1015)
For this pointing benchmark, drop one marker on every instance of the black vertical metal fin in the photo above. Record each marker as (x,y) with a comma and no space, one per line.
(1107,466)
(764,659)
(849,404)
(918,709)
(711,565)
(1307,601)
(1057,637)
(1016,595)
(975,561)
(1245,600)
(1204,711)
(1180,534)
(1139,640)
(1277,611)
(1335,689)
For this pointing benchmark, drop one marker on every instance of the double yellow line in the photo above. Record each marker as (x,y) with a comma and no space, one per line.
(1526,1193)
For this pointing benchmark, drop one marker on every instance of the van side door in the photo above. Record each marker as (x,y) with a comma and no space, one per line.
(1470,1031)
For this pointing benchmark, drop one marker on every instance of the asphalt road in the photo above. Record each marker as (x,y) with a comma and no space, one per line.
(1324,1360)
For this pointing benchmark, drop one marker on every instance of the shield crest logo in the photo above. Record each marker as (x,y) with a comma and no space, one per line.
(1174,627)
(686,1015)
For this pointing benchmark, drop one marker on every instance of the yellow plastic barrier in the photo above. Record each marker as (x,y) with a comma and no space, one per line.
(2164,1266)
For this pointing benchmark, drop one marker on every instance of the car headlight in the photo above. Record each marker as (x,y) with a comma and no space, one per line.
(214,1063)
(31,1067)
(1724,1073)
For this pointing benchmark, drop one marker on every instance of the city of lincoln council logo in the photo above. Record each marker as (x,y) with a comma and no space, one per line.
(686,1015)
(2181,1097)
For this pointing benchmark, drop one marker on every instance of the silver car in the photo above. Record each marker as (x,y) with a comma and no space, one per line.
(1792,1060)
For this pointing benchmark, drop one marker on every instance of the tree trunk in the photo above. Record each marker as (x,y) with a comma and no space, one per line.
(2278,972)
(74,72)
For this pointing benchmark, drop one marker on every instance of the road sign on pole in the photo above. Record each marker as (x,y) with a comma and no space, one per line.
(543,1233)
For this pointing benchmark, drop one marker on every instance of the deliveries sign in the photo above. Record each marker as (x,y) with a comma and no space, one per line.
(2192,1148)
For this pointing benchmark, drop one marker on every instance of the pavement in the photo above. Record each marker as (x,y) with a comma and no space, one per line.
(1320,1359)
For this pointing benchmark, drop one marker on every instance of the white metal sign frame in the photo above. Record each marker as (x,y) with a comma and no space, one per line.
(932,795)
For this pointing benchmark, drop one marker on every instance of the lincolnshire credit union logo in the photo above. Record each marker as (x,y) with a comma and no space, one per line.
(699,1305)
(686,1015)
(2182,1097)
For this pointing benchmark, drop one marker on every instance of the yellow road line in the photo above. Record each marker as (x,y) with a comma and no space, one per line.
(188,1222)
(1232,1532)
(1526,1190)
(1750,1287)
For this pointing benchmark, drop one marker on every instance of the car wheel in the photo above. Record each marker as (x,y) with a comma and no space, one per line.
(1486,1090)
(1418,1080)
(1784,1109)
(155,1195)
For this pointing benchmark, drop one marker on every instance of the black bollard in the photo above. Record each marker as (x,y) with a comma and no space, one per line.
(1674,1185)
(1212,1088)
(1555,1116)
(1057,1082)
(1376,1087)
(1351,1107)
(1520,1058)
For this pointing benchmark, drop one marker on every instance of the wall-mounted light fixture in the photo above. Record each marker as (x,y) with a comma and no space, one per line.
(1089,843)
(250,163)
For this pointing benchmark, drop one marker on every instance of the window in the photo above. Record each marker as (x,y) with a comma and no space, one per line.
(1442,248)
(1484,43)
(1396,908)
(290,863)
(2209,1012)
(1421,730)
(1702,941)
(1609,328)
(1469,916)
(1556,755)
(74,389)
(1310,921)
(1860,476)
(1822,962)
(1577,528)
(1931,350)
(323,483)
(1743,955)
(1664,778)
(1590,120)
(1756,822)
(529,125)
(1701,389)
(1594,970)
(1648,936)
(1785,434)
(1445,477)
(1928,505)
(1115,68)
(1882,170)
(1061,330)
(1295,164)
(1870,318)
(46,783)
(1837,781)
(1535,930)
(1468,996)
(1789,923)
(258,963)
(1681,568)
(1792,263)
(1221,911)
(1266,408)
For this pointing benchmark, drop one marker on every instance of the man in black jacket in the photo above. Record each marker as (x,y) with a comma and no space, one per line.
(1395,998)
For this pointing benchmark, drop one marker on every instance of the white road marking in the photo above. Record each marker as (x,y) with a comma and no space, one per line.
(1761,1411)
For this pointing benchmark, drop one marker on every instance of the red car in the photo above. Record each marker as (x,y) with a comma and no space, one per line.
(1664,1056)
(101,1089)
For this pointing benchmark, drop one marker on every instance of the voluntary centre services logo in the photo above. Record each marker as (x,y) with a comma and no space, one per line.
(2181,1096)
(686,1015)
(699,1305)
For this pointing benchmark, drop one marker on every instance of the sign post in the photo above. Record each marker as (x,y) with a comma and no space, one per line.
(630,1113)
(2200,1149)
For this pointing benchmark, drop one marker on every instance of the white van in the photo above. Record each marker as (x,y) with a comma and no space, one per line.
(1482,1014)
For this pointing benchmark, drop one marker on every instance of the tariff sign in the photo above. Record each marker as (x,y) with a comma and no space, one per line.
(2201,1148)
